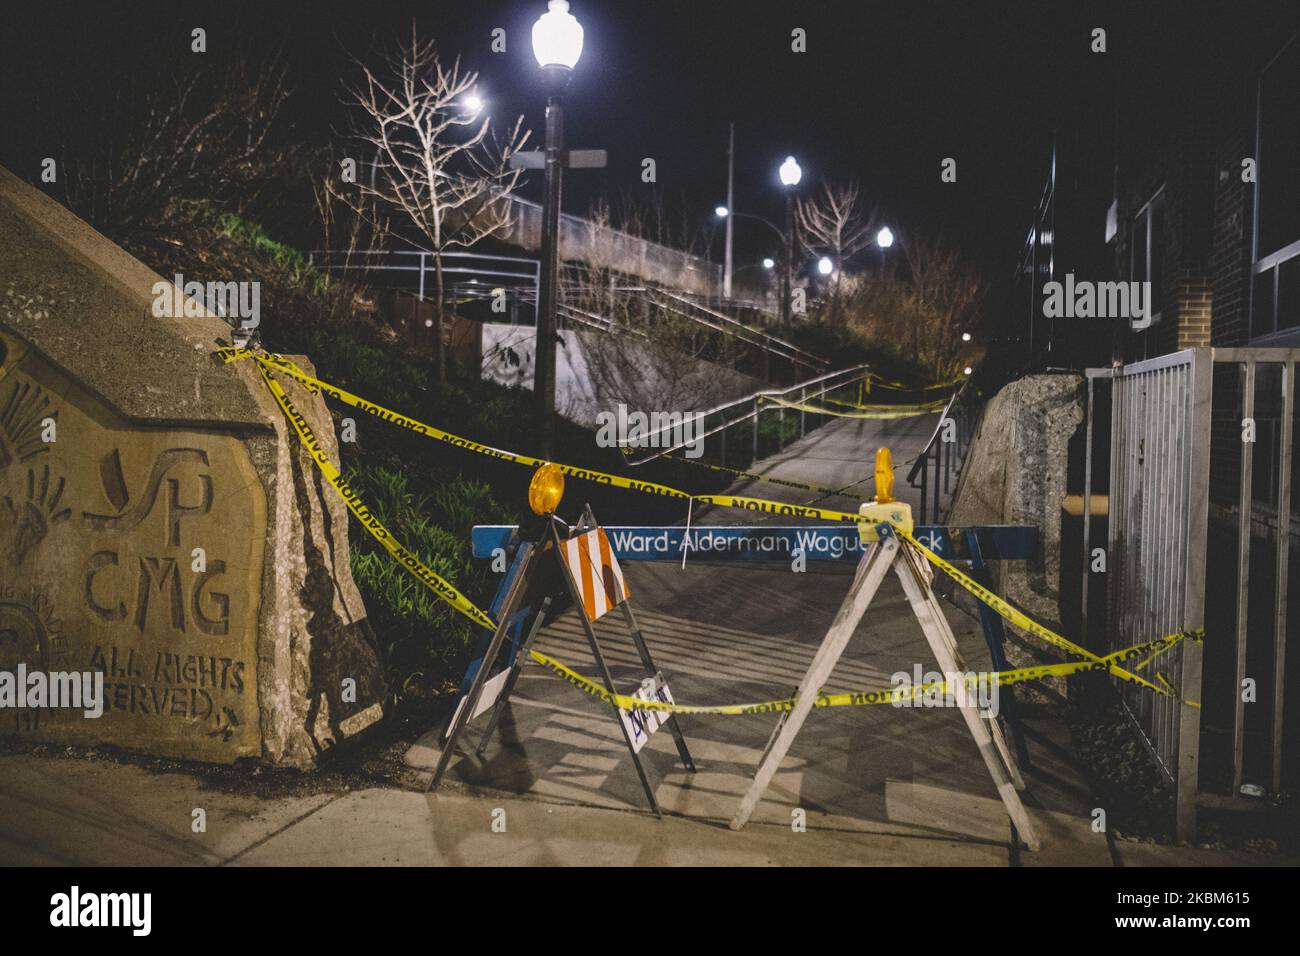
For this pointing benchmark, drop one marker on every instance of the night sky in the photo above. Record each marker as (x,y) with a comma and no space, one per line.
(885,91)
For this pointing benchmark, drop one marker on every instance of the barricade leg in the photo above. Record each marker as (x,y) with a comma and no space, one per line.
(462,717)
(648,662)
(520,660)
(994,635)
(871,571)
(924,575)
(941,640)
(605,674)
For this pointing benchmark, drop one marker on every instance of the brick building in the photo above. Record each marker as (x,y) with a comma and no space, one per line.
(1179,164)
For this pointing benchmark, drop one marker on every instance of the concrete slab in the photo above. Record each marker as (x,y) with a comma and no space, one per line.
(56,811)
(1153,854)
(880,769)
(390,828)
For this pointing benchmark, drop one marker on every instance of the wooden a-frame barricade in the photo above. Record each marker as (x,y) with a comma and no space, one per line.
(916,577)
(533,577)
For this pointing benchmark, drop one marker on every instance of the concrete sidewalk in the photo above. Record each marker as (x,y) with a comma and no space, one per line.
(64,811)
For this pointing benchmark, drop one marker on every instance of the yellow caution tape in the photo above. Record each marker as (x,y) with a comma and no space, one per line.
(763,505)
(448,592)
(1018,617)
(874,411)
(886,383)
(861,698)
(441,587)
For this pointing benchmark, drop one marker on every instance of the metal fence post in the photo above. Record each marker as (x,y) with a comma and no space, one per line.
(1198,524)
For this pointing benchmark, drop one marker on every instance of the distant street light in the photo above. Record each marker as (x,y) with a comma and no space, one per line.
(557,45)
(473,103)
(825,266)
(965,336)
(884,239)
(769,263)
(967,370)
(790,174)
(720,212)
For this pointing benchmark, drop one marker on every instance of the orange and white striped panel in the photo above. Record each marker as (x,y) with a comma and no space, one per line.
(596,572)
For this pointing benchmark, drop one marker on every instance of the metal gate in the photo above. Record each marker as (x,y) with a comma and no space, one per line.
(1178,424)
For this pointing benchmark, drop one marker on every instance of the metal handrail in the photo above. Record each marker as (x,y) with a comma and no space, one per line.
(942,456)
(769,341)
(397,258)
(849,375)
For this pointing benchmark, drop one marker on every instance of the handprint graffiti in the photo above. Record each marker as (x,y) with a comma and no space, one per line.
(32,519)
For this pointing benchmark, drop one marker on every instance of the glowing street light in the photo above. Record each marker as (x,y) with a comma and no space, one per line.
(825,266)
(965,336)
(884,239)
(557,37)
(769,263)
(720,211)
(473,103)
(790,172)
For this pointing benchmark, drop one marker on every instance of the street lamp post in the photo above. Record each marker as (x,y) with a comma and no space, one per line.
(790,174)
(731,183)
(557,44)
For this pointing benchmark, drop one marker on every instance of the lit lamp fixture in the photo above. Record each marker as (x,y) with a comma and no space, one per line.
(966,370)
(825,266)
(557,44)
(557,37)
(721,211)
(790,172)
(884,239)
(965,336)
(769,263)
(473,103)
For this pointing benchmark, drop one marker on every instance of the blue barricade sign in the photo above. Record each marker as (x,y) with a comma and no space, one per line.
(781,543)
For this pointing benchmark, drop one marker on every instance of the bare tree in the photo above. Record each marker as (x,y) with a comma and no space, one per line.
(435,167)
(341,225)
(833,221)
(171,130)
(833,224)
(918,313)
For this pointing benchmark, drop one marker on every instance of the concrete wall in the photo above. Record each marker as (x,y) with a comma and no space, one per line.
(584,241)
(159,521)
(597,370)
(1015,473)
